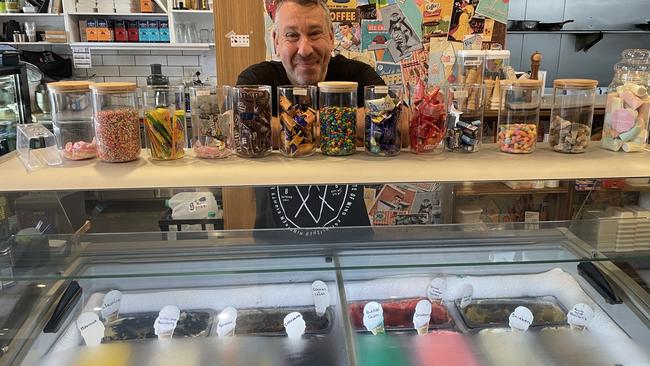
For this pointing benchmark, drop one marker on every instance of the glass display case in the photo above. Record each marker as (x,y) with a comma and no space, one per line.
(14,104)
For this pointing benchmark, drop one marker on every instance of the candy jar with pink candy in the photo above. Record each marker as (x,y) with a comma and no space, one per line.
(211,121)
(628,103)
(72,119)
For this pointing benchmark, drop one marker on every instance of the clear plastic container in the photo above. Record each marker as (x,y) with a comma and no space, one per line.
(628,104)
(572,114)
(338,117)
(211,121)
(164,121)
(297,111)
(470,65)
(519,116)
(496,64)
(252,120)
(428,119)
(72,119)
(117,122)
(465,117)
(383,106)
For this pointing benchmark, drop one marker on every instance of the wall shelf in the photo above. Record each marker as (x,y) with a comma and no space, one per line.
(33,15)
(35,43)
(140,46)
(159,15)
(486,165)
(178,11)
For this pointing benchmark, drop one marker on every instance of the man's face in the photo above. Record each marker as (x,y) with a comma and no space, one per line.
(304,42)
(398,36)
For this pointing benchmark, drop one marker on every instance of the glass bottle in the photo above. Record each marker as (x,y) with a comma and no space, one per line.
(628,104)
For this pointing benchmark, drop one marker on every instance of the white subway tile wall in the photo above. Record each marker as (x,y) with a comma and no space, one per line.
(134,65)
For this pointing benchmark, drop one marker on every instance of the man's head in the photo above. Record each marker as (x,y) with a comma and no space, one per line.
(345,27)
(304,39)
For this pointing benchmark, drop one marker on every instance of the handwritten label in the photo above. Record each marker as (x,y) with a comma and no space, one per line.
(466,296)
(422,316)
(437,290)
(294,325)
(111,305)
(373,317)
(321,295)
(300,91)
(166,321)
(91,328)
(227,322)
(580,316)
(521,318)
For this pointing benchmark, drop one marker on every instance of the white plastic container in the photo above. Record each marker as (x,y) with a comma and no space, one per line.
(192,205)
(468,214)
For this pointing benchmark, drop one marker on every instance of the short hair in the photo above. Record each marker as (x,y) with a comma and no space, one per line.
(307,4)
(346,23)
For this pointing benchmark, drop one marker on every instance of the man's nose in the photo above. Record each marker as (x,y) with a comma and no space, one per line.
(305,47)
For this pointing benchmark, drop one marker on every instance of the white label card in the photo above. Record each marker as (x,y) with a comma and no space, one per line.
(294,325)
(461,94)
(580,316)
(373,317)
(111,304)
(381,89)
(466,296)
(166,321)
(227,322)
(321,295)
(437,290)
(422,316)
(91,328)
(521,318)
(202,92)
(300,91)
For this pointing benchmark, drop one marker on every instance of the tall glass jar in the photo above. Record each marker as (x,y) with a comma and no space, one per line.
(383,106)
(519,116)
(628,104)
(252,120)
(470,65)
(164,121)
(211,110)
(117,121)
(465,117)
(572,114)
(72,119)
(496,65)
(338,117)
(298,116)
(428,119)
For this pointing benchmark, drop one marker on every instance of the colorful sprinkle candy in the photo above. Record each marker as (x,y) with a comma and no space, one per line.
(118,135)
(338,130)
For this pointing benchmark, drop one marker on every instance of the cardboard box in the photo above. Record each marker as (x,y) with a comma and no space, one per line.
(132,30)
(163,29)
(91,30)
(154,33)
(143,30)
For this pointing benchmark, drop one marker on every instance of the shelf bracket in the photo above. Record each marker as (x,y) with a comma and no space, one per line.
(585,41)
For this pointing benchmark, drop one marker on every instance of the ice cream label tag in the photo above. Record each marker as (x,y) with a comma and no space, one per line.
(580,316)
(294,325)
(422,316)
(300,91)
(373,317)
(466,298)
(111,304)
(91,328)
(166,321)
(227,322)
(321,295)
(521,318)
(437,290)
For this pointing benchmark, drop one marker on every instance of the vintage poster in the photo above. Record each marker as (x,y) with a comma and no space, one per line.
(374,37)
(411,219)
(436,18)
(347,36)
(464,22)
(341,4)
(404,40)
(494,9)
(413,14)
(415,68)
(428,203)
(393,198)
(389,71)
(442,57)
(367,57)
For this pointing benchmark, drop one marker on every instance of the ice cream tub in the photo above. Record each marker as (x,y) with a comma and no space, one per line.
(398,314)
(139,326)
(270,321)
(490,313)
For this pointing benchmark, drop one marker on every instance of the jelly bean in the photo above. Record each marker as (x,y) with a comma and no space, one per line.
(338,130)
(518,138)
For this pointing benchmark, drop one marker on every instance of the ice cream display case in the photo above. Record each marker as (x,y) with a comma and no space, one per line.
(366,296)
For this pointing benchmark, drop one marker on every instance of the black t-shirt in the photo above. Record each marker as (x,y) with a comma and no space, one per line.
(340,69)
(318,208)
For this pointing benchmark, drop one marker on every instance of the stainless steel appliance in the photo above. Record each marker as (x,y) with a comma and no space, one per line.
(15,104)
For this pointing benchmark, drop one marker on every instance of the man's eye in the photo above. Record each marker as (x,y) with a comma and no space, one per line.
(291,35)
(315,34)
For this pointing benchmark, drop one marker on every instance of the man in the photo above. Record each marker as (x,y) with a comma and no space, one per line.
(303,37)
